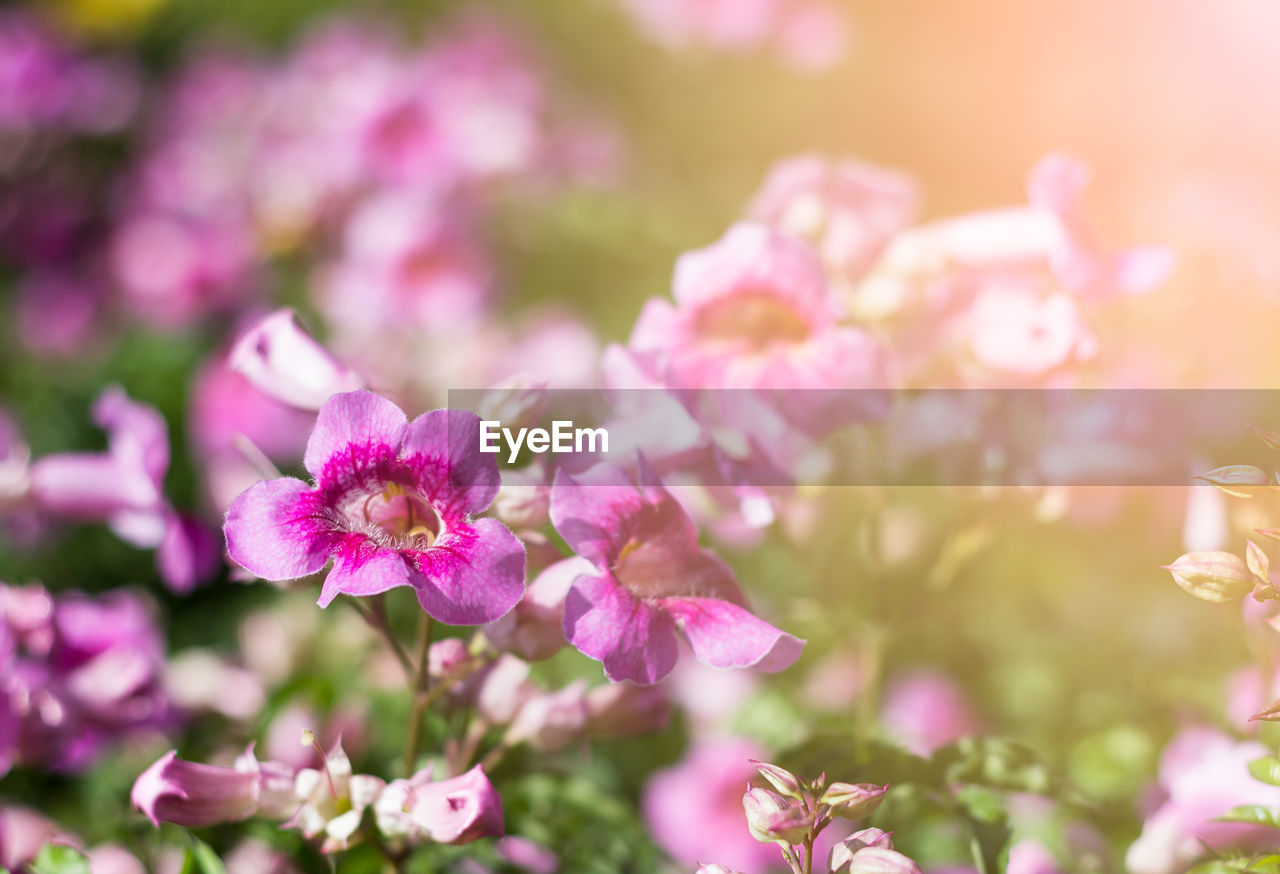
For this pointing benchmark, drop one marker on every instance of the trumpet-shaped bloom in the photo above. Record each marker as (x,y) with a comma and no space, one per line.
(454,811)
(651,578)
(753,311)
(392,505)
(286,363)
(192,794)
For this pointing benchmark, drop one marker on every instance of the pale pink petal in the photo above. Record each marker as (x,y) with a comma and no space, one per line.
(472,575)
(728,636)
(634,640)
(269,533)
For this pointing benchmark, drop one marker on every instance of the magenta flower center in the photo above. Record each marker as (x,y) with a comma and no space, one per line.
(758,319)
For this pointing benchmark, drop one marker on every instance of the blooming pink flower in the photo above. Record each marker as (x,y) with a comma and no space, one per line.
(651,577)
(1203,773)
(392,505)
(454,811)
(194,795)
(753,311)
(848,209)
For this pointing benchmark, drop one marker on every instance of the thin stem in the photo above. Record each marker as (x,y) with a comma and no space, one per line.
(422,696)
(376,617)
(808,854)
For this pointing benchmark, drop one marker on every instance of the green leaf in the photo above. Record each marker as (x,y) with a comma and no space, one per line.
(1254,814)
(984,811)
(59,859)
(201,859)
(1266,769)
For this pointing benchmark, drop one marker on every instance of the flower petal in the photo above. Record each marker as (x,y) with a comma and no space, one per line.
(270,533)
(443,448)
(593,511)
(633,639)
(472,575)
(728,636)
(359,418)
(361,568)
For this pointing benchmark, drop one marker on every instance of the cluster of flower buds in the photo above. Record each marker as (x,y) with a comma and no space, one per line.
(77,673)
(795,811)
(327,804)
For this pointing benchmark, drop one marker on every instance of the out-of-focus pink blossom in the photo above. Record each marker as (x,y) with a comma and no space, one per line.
(924,710)
(694,808)
(200,680)
(626,709)
(57,313)
(550,720)
(534,629)
(225,411)
(407,264)
(527,855)
(194,795)
(287,364)
(753,311)
(124,487)
(1203,774)
(848,209)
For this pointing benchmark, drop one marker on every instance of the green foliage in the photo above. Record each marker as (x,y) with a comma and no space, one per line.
(58,859)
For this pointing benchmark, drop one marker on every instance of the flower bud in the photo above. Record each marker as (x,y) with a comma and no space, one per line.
(782,779)
(1219,577)
(191,794)
(285,363)
(876,860)
(853,800)
(843,852)
(1238,480)
(455,811)
(771,817)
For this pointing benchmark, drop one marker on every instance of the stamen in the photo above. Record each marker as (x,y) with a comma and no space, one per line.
(309,740)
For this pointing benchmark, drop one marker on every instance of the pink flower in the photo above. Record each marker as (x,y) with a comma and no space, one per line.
(194,795)
(1204,773)
(392,505)
(285,363)
(651,578)
(534,630)
(1016,330)
(848,209)
(694,808)
(124,487)
(753,311)
(459,810)
(408,263)
(925,710)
